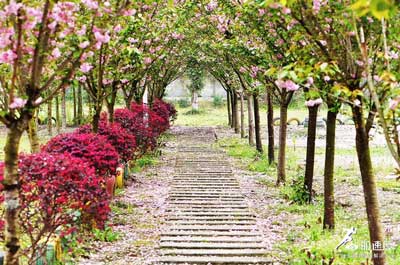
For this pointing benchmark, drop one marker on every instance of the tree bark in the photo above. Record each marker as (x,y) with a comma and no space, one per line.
(233,108)
(369,186)
(270,124)
(11,191)
(96,119)
(33,135)
(282,145)
(63,110)
(310,156)
(257,124)
(329,195)
(242,129)
(228,106)
(236,112)
(250,115)
(50,117)
(80,106)
(111,103)
(58,122)
(195,101)
(74,102)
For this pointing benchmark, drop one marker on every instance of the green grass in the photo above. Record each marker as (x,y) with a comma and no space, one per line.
(147,160)
(306,242)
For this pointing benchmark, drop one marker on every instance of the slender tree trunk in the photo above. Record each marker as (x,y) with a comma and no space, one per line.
(96,119)
(270,124)
(228,106)
(310,156)
(236,113)
(369,186)
(329,195)
(58,123)
(257,124)
(33,135)
(233,108)
(282,145)
(63,110)
(11,191)
(50,117)
(75,110)
(242,129)
(195,101)
(80,106)
(250,112)
(111,104)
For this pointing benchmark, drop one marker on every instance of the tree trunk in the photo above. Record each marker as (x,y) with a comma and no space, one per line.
(369,186)
(257,124)
(270,124)
(33,135)
(111,104)
(236,112)
(63,110)
(250,115)
(80,106)
(11,191)
(233,108)
(50,117)
(228,105)
(282,145)
(96,119)
(195,101)
(58,122)
(329,195)
(310,156)
(74,102)
(242,129)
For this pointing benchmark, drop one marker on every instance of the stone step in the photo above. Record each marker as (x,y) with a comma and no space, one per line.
(202,245)
(214,260)
(211,213)
(210,233)
(211,218)
(226,239)
(214,227)
(212,222)
(216,252)
(207,203)
(227,210)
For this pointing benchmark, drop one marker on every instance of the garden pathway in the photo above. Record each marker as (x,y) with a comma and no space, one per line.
(208,220)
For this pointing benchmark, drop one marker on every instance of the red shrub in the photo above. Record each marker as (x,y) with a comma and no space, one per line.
(58,192)
(94,149)
(164,109)
(123,141)
(158,123)
(1,196)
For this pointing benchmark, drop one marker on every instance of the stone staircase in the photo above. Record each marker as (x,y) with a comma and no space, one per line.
(208,220)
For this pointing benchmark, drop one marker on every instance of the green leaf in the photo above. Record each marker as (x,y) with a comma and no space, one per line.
(380,8)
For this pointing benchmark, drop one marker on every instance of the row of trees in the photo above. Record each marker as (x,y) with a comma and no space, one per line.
(335,54)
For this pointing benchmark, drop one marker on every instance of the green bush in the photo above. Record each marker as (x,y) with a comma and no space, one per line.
(296,192)
(183,103)
(218,101)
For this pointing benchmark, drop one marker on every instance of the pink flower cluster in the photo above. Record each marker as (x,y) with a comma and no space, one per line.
(394,103)
(18,103)
(314,102)
(211,6)
(289,85)
(7,57)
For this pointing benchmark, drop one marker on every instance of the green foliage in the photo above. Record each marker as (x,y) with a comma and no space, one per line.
(296,192)
(183,103)
(106,235)
(217,101)
(193,112)
(195,74)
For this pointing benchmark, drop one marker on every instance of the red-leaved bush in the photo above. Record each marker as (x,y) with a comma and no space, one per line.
(58,192)
(164,109)
(1,197)
(123,141)
(92,148)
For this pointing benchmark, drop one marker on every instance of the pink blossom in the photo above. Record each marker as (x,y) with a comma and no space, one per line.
(130,12)
(84,44)
(286,10)
(242,69)
(261,12)
(393,103)
(310,80)
(38,101)
(316,6)
(147,60)
(314,102)
(82,31)
(86,67)
(18,103)
(327,78)
(323,42)
(103,38)
(8,56)
(53,25)
(124,81)
(291,86)
(82,79)
(147,42)
(211,6)
(117,28)
(91,4)
(56,53)
(107,81)
(12,8)
(132,40)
